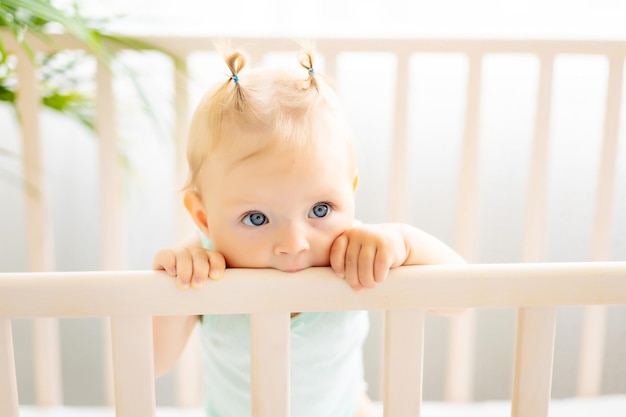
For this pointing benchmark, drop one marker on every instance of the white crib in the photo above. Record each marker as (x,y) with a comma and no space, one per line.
(270,296)
(532,286)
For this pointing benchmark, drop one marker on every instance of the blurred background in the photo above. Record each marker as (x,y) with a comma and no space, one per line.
(371,18)
(437,100)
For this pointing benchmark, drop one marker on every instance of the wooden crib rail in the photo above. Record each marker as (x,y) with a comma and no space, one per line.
(130,298)
(115,293)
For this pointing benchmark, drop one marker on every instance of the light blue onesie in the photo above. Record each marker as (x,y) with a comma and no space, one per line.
(326,363)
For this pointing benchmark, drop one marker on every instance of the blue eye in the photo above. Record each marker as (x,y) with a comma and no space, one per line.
(320,210)
(256,218)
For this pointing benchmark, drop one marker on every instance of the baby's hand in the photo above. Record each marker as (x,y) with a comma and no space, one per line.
(363,254)
(191,266)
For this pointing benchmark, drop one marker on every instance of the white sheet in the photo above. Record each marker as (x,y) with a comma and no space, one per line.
(605,406)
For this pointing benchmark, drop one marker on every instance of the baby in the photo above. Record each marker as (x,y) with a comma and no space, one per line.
(272,183)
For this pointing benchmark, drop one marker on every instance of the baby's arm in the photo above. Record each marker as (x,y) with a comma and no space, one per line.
(170,336)
(364,253)
(425,249)
(191,265)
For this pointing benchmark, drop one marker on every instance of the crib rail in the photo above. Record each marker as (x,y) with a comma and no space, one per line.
(106,293)
(131,298)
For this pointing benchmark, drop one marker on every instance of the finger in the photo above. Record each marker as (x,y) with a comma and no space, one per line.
(200,262)
(367,257)
(184,268)
(338,255)
(217,264)
(382,264)
(352,264)
(164,260)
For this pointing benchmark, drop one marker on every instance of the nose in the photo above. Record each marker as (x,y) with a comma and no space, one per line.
(291,239)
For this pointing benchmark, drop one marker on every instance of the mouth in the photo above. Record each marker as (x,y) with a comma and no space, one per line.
(293,266)
(292,269)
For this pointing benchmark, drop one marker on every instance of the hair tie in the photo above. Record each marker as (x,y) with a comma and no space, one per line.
(235,78)
(311,71)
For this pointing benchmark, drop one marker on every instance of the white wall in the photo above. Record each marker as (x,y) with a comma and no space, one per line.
(442,18)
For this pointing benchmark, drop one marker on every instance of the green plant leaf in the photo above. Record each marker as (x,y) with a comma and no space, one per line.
(74,104)
(6,94)
(62,90)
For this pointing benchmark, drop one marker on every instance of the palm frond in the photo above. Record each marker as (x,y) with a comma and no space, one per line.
(35,17)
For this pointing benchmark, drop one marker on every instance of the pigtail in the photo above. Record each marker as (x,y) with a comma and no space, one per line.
(230,98)
(306,61)
(235,62)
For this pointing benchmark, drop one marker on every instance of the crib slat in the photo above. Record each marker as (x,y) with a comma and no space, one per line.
(467,192)
(112,231)
(46,350)
(460,358)
(9,405)
(534,355)
(398,206)
(187,377)
(461,329)
(107,362)
(47,360)
(535,326)
(404,354)
(38,229)
(592,342)
(593,333)
(112,238)
(533,244)
(133,366)
(183,221)
(605,194)
(269,364)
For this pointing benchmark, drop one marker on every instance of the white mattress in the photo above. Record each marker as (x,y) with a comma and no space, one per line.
(605,406)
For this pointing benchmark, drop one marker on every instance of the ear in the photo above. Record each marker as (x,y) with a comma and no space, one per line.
(193,204)
(355,181)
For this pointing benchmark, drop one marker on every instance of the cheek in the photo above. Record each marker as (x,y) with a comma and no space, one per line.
(222,238)
(326,233)
(240,251)
(341,222)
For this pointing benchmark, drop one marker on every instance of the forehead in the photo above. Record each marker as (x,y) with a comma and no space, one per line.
(307,172)
(322,136)
(309,162)
(323,140)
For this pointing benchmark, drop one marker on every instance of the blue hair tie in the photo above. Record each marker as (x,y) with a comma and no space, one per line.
(311,71)
(235,78)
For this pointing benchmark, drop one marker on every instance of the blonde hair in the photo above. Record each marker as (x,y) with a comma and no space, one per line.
(278,107)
